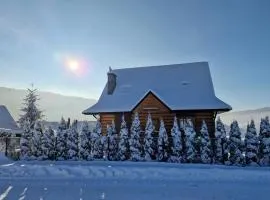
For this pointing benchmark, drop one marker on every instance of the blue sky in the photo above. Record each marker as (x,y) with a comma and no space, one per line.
(234,36)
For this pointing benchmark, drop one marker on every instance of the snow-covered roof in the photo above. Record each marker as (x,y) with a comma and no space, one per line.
(7,123)
(180,86)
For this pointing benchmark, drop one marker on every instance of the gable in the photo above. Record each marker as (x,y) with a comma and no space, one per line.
(151,103)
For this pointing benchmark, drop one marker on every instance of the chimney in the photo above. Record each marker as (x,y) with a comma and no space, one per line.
(111,84)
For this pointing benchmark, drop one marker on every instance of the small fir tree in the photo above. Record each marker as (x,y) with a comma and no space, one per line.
(134,141)
(85,142)
(25,142)
(36,141)
(112,143)
(61,140)
(190,152)
(177,146)
(123,141)
(251,144)
(221,153)
(96,140)
(205,148)
(235,145)
(148,139)
(73,142)
(163,143)
(264,142)
(48,144)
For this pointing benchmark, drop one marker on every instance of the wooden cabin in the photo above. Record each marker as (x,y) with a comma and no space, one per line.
(182,90)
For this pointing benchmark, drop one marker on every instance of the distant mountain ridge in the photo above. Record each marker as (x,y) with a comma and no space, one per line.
(54,105)
(245,116)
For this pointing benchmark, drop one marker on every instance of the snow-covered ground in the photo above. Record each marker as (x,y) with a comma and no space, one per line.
(130,180)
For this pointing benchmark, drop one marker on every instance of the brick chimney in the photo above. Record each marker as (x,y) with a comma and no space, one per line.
(111,84)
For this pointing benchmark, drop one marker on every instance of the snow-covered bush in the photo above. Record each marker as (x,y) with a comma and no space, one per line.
(235,145)
(85,142)
(163,143)
(48,144)
(221,150)
(134,141)
(148,139)
(123,145)
(190,152)
(177,146)
(205,147)
(251,144)
(73,142)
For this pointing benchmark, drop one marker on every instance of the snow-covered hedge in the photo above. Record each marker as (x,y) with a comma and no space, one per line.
(180,145)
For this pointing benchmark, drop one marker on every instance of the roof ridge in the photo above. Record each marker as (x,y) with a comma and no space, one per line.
(166,65)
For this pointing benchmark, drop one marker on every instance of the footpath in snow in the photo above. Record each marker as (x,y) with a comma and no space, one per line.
(130,180)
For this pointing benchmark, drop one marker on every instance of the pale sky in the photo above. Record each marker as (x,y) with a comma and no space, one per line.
(39,39)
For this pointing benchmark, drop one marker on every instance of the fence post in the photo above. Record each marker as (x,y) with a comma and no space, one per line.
(6,148)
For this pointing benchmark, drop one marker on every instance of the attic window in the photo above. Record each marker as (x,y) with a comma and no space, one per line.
(185,83)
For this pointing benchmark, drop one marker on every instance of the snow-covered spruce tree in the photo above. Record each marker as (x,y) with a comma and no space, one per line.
(220,143)
(134,141)
(265,142)
(123,144)
(235,145)
(163,143)
(85,142)
(61,140)
(48,144)
(177,147)
(73,142)
(251,144)
(112,143)
(25,141)
(36,142)
(96,140)
(205,148)
(30,109)
(148,139)
(190,152)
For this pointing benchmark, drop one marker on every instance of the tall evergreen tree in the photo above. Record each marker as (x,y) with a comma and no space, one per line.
(264,142)
(97,145)
(30,110)
(235,145)
(36,141)
(190,152)
(73,142)
(148,139)
(221,150)
(61,140)
(205,148)
(163,143)
(134,141)
(112,143)
(123,141)
(48,144)
(85,142)
(25,141)
(177,147)
(251,144)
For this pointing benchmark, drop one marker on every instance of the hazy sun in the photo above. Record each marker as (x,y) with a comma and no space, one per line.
(73,65)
